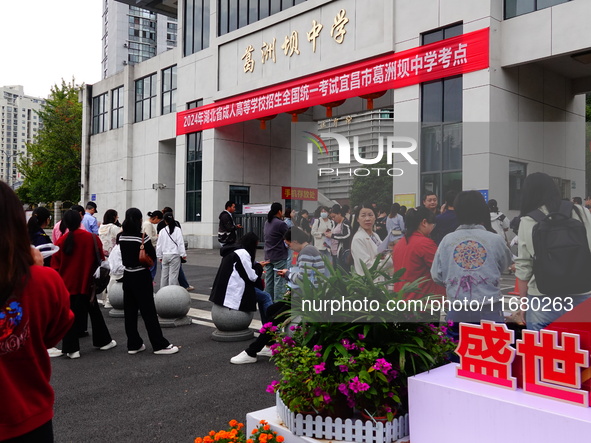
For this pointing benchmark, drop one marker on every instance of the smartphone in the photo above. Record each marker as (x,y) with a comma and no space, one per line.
(275,269)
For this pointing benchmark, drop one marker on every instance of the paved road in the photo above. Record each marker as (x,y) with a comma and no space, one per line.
(114,397)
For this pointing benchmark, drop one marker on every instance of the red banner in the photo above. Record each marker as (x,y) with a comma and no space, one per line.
(299,193)
(454,56)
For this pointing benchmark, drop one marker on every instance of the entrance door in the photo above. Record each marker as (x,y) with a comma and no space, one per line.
(241,196)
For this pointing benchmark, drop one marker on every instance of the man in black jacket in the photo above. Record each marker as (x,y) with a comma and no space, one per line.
(227,228)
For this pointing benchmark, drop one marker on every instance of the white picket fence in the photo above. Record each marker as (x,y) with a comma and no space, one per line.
(339,429)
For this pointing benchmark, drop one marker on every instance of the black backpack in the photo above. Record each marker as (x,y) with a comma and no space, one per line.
(562,261)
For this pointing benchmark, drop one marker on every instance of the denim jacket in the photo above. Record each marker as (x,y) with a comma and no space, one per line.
(469,263)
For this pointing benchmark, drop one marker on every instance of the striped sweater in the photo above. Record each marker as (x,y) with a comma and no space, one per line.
(310,261)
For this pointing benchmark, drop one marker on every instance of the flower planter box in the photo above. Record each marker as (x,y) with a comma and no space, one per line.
(338,429)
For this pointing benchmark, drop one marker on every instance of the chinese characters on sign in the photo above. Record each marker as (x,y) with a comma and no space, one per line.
(290,44)
(550,369)
(455,56)
(288,193)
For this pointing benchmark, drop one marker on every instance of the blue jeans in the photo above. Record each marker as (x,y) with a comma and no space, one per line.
(182,279)
(274,284)
(264,300)
(538,318)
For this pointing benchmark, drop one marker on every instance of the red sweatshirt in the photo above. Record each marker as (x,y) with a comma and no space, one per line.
(28,326)
(77,269)
(416,256)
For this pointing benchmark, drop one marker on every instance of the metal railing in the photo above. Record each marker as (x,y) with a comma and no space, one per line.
(251,223)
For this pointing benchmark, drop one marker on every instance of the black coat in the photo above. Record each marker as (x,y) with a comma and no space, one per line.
(231,270)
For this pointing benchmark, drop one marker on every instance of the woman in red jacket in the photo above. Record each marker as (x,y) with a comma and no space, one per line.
(34,316)
(415,251)
(76,263)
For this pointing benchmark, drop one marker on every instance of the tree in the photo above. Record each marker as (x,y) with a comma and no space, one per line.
(373,188)
(52,167)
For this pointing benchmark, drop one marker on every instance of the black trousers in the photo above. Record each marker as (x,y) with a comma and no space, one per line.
(81,305)
(277,314)
(43,434)
(138,294)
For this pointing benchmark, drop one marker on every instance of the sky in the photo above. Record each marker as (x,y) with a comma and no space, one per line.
(43,41)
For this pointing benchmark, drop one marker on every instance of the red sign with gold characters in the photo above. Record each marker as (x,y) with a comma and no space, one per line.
(288,193)
(551,361)
(454,56)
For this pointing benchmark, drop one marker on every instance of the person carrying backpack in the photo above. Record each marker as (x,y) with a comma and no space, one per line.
(554,252)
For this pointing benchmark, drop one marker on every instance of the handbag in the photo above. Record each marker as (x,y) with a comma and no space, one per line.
(144,259)
(101,276)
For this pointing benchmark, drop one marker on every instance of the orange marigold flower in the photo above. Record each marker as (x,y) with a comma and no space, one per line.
(198,440)
(233,423)
(263,422)
(207,439)
(266,427)
(280,439)
(212,433)
(249,440)
(254,431)
(240,425)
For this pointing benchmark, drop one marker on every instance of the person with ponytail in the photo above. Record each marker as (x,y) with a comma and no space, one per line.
(170,248)
(35,307)
(415,252)
(275,252)
(76,262)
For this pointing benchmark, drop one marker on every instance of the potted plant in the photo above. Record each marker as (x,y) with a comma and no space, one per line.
(360,365)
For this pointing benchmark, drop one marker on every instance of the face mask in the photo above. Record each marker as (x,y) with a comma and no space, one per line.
(324,214)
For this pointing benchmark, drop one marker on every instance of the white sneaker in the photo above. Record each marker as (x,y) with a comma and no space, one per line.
(74,355)
(170,349)
(108,305)
(242,359)
(265,352)
(55,352)
(135,351)
(108,346)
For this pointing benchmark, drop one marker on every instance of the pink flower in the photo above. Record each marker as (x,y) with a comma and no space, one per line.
(317,348)
(326,398)
(361,336)
(271,387)
(275,348)
(343,389)
(289,341)
(382,365)
(344,368)
(319,368)
(356,386)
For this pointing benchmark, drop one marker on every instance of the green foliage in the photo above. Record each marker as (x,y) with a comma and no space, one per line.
(373,188)
(52,169)
(360,359)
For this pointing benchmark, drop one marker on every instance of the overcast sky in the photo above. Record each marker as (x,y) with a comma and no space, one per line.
(43,41)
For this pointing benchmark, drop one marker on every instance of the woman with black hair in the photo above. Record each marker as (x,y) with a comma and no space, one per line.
(170,248)
(108,230)
(415,251)
(36,227)
(138,293)
(541,192)
(275,251)
(365,242)
(36,312)
(470,261)
(238,283)
(76,262)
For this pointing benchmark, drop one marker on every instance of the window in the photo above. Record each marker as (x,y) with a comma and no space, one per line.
(168,90)
(234,14)
(117,108)
(145,98)
(517,174)
(99,113)
(514,8)
(193,185)
(196,29)
(441,132)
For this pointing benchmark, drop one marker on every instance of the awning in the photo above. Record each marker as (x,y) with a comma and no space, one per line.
(454,56)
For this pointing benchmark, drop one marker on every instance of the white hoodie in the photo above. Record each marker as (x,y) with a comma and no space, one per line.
(170,244)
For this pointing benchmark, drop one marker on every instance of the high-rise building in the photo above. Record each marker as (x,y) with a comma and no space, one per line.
(19,125)
(132,35)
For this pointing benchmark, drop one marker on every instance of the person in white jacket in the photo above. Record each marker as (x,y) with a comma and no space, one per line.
(169,250)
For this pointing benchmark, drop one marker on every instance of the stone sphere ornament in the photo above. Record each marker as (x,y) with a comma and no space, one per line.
(231,324)
(172,305)
(116,300)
